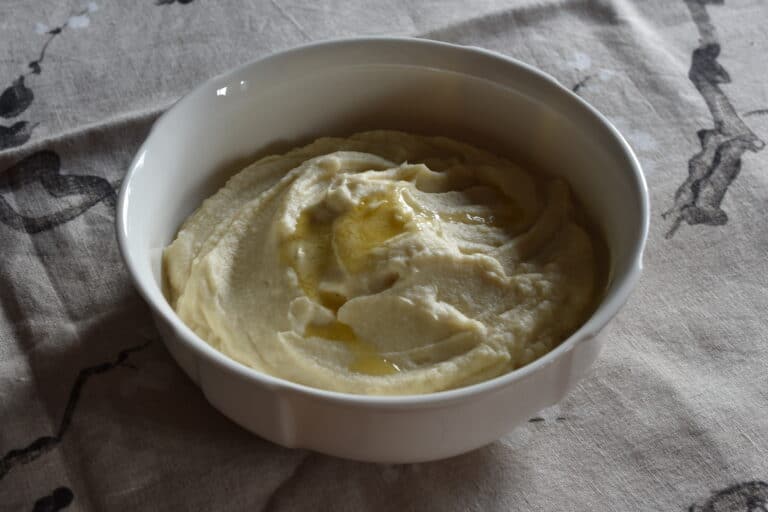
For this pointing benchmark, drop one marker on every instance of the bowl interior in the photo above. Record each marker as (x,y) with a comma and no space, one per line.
(341,87)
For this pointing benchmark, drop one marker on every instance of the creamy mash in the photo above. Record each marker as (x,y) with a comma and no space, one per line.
(384,263)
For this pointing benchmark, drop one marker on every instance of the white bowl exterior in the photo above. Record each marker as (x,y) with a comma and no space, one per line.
(339,87)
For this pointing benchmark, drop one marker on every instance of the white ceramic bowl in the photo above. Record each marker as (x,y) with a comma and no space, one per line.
(339,87)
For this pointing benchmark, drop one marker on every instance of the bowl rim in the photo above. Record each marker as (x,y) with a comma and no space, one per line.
(610,305)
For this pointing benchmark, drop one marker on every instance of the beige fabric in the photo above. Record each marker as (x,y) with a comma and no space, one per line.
(94,414)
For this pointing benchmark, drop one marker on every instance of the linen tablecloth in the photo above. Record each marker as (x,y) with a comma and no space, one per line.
(95,415)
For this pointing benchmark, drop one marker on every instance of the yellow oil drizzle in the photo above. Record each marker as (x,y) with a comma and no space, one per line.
(495,219)
(355,233)
(335,331)
(373,364)
(372,222)
(506,216)
(367,359)
(502,213)
(331,300)
(316,244)
(351,237)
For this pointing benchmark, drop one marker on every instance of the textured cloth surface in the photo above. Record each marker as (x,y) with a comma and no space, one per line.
(95,415)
